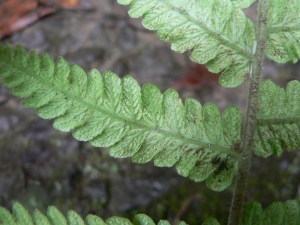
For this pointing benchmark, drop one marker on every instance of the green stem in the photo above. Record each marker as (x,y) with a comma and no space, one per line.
(235,216)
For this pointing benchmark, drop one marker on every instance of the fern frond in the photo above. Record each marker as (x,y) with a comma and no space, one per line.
(54,217)
(134,122)
(211,221)
(283,28)
(217,32)
(278,119)
(277,213)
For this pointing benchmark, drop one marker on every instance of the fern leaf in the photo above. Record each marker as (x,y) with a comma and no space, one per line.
(5,217)
(94,220)
(253,214)
(143,219)
(181,223)
(74,218)
(21,215)
(134,122)
(163,222)
(39,218)
(115,220)
(291,212)
(211,221)
(54,217)
(276,214)
(287,213)
(282,43)
(217,32)
(278,119)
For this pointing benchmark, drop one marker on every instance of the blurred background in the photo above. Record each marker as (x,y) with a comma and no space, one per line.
(40,166)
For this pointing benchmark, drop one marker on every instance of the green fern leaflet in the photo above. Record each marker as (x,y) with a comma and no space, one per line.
(134,122)
(283,19)
(54,217)
(277,213)
(217,32)
(278,119)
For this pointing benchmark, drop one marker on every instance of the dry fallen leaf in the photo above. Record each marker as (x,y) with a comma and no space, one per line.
(195,78)
(18,14)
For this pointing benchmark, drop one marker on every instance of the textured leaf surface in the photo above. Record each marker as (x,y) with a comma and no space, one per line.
(134,122)
(6,217)
(54,217)
(287,213)
(163,222)
(211,221)
(253,214)
(217,32)
(21,215)
(39,218)
(142,219)
(276,214)
(283,41)
(278,119)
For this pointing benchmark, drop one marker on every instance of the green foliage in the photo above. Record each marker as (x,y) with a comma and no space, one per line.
(139,122)
(224,41)
(211,221)
(276,214)
(54,217)
(146,125)
(134,122)
(278,119)
(283,31)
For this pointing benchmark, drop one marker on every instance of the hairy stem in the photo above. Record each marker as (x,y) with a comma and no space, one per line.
(251,120)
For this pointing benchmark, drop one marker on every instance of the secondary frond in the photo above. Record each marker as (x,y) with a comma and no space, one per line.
(217,32)
(283,26)
(134,122)
(278,119)
(277,213)
(54,217)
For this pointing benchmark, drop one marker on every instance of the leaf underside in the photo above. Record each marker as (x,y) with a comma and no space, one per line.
(134,122)
(278,119)
(277,213)
(283,21)
(216,31)
(54,217)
